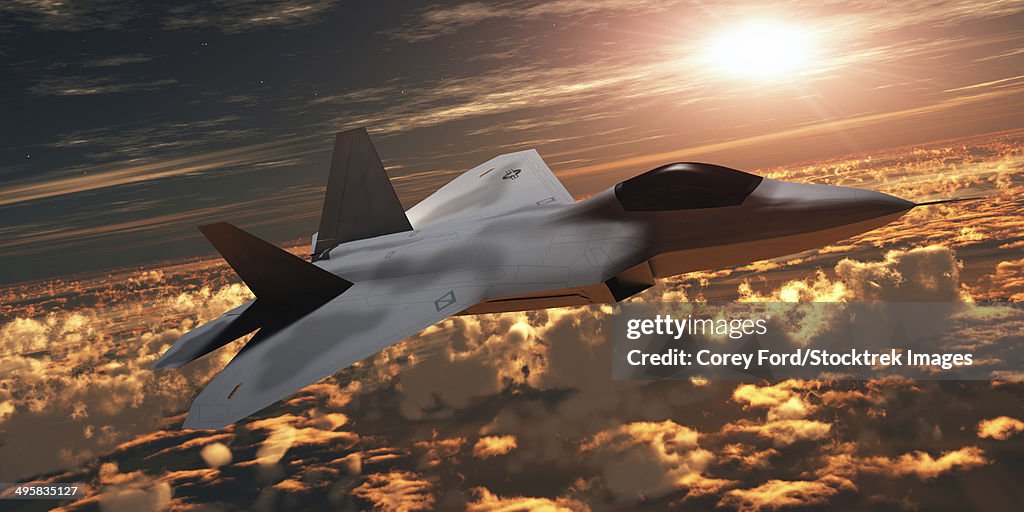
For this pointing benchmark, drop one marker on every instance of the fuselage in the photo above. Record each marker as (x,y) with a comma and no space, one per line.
(672,220)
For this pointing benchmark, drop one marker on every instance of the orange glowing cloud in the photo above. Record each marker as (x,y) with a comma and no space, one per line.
(651,459)
(777,494)
(396,491)
(488,502)
(1001,428)
(918,463)
(492,446)
(782,432)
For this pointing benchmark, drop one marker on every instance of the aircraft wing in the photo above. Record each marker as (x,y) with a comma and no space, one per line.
(507,182)
(372,315)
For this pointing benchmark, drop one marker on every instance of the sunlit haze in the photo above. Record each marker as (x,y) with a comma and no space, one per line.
(763,50)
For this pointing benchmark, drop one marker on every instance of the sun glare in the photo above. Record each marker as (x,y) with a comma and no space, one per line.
(764,50)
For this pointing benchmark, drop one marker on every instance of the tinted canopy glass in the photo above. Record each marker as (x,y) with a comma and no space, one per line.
(685,186)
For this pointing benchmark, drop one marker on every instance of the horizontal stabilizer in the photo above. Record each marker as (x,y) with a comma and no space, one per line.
(360,201)
(209,337)
(267,317)
(272,273)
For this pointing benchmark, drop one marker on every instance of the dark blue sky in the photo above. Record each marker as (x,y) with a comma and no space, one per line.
(128,125)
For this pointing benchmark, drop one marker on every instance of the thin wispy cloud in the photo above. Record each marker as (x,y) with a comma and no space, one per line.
(117,60)
(123,173)
(149,141)
(229,16)
(442,20)
(234,16)
(86,85)
(71,16)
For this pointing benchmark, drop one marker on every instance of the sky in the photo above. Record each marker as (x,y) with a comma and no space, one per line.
(128,125)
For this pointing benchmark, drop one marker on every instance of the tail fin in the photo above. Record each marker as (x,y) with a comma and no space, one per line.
(360,201)
(272,274)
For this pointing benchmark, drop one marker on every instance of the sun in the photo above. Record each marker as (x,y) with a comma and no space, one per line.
(763,50)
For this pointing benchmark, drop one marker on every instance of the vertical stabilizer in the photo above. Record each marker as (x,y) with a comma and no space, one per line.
(360,201)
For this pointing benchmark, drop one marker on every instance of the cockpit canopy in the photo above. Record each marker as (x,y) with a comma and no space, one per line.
(685,186)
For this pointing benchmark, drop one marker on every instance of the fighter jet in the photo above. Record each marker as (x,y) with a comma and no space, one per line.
(503,236)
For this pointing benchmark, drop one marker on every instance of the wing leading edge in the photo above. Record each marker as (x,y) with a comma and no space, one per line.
(343,331)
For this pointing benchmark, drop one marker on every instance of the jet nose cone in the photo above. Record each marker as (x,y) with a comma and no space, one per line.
(876,204)
(801,207)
